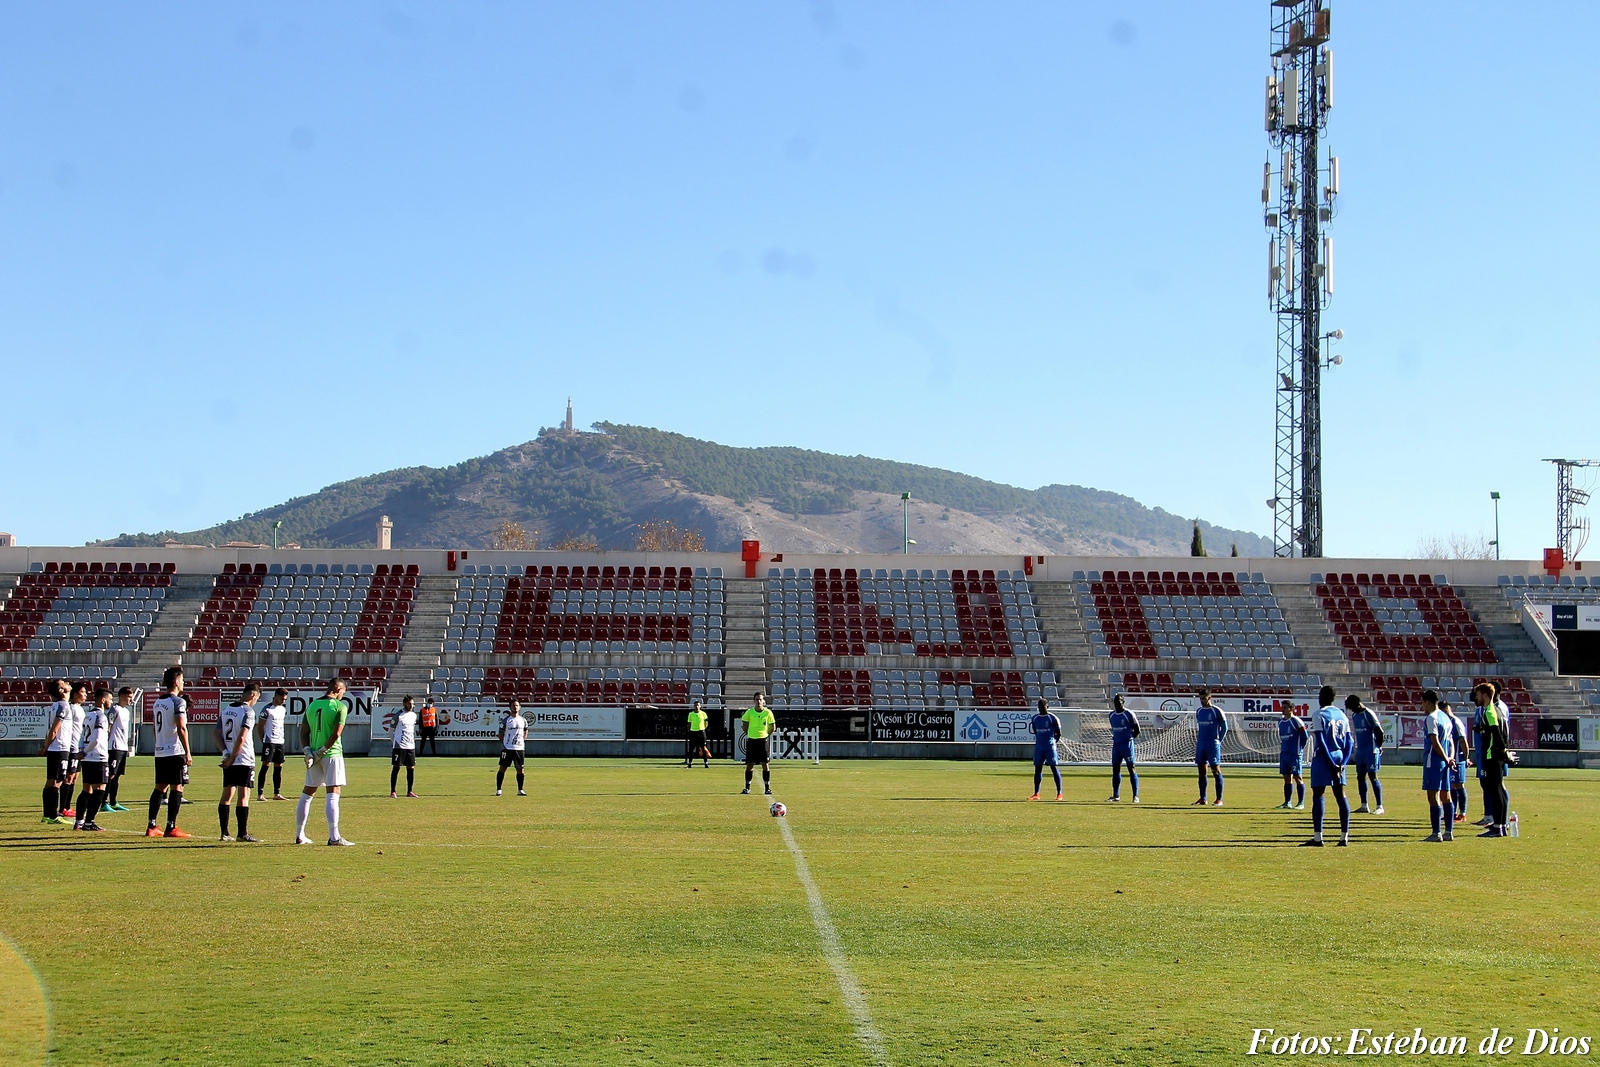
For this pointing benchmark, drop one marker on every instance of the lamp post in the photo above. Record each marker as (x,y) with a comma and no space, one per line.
(905,514)
(275,533)
(1496,498)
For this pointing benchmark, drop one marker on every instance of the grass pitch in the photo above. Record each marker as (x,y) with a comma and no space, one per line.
(634,912)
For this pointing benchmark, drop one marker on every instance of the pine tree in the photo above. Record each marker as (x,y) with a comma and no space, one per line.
(1236,548)
(1197,545)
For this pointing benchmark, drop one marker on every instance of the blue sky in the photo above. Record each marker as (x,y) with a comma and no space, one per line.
(247,250)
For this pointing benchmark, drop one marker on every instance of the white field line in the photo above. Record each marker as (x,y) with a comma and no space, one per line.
(833,951)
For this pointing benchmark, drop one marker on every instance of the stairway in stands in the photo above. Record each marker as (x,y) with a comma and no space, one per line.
(419,654)
(744,642)
(1320,651)
(1501,622)
(163,645)
(1079,674)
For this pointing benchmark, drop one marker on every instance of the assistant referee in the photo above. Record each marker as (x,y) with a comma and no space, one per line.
(759,722)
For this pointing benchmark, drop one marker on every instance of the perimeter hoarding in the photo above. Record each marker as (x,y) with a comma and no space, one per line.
(572,722)
(206,704)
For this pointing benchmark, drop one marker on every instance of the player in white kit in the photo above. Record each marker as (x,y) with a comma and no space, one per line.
(96,752)
(513,742)
(120,741)
(403,748)
(236,738)
(270,733)
(57,753)
(76,701)
(173,756)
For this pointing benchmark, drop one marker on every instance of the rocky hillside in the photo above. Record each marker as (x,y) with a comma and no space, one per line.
(603,484)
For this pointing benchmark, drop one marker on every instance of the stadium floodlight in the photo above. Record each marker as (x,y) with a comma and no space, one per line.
(275,527)
(1305,198)
(1495,496)
(905,513)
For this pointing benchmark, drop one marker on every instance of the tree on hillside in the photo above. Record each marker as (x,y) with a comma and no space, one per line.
(512,536)
(577,542)
(1235,548)
(1197,545)
(667,536)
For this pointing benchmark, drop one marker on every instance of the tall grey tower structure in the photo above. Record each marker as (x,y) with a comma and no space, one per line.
(1298,201)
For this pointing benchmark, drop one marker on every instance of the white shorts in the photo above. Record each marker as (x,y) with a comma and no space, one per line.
(327,771)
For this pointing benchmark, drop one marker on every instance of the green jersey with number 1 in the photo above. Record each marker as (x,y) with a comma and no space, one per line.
(324,717)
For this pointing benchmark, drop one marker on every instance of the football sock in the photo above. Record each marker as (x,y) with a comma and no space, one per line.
(1449,813)
(394,776)
(302,811)
(1038,773)
(94,803)
(1288,790)
(1056,772)
(155,806)
(331,809)
(1116,781)
(1460,793)
(1134,778)
(766,775)
(174,803)
(1377,791)
(111,790)
(67,800)
(1218,776)
(519,778)
(243,812)
(1361,784)
(1434,812)
(1344,810)
(277,779)
(222,816)
(52,801)
(1318,808)
(1300,792)
(1202,783)
(410,777)
(748,772)
(500,779)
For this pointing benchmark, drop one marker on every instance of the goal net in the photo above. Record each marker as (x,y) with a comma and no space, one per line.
(1170,738)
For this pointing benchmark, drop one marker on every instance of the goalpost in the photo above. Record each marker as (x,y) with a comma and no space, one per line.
(1169,737)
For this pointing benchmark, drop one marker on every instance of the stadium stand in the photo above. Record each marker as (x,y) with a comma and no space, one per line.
(1404,692)
(311,608)
(28,682)
(1153,615)
(1400,618)
(894,612)
(603,635)
(814,688)
(1222,684)
(86,607)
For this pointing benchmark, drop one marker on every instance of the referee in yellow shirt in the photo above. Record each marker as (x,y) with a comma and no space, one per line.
(696,745)
(759,722)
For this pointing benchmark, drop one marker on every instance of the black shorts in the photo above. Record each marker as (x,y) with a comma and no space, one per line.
(697,740)
(170,770)
(241,774)
(94,772)
(755,750)
(74,764)
(55,766)
(271,753)
(508,756)
(117,765)
(403,757)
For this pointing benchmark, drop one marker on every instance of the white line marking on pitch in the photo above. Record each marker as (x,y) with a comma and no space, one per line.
(855,1000)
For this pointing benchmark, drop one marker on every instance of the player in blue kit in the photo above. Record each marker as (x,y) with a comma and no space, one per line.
(1368,732)
(1292,756)
(1458,785)
(1332,746)
(1046,732)
(1124,731)
(1211,729)
(1438,767)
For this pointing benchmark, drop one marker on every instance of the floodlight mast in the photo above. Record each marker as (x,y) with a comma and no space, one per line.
(1571,533)
(1297,201)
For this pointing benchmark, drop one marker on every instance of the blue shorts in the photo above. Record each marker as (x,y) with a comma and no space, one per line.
(1044,756)
(1123,752)
(1370,764)
(1324,774)
(1212,753)
(1437,778)
(1289,764)
(1461,773)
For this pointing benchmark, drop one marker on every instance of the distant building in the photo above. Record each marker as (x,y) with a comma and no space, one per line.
(568,426)
(8,540)
(385,533)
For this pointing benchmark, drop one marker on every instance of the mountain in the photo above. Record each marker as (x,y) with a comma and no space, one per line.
(603,484)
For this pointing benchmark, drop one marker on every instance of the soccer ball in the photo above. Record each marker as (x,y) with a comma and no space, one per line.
(778,810)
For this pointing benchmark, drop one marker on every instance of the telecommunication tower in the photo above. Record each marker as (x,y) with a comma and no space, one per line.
(1572,534)
(1298,199)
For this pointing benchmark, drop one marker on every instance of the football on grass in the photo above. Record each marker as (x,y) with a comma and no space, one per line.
(778,810)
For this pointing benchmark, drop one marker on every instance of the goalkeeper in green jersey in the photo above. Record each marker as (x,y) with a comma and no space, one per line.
(322,738)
